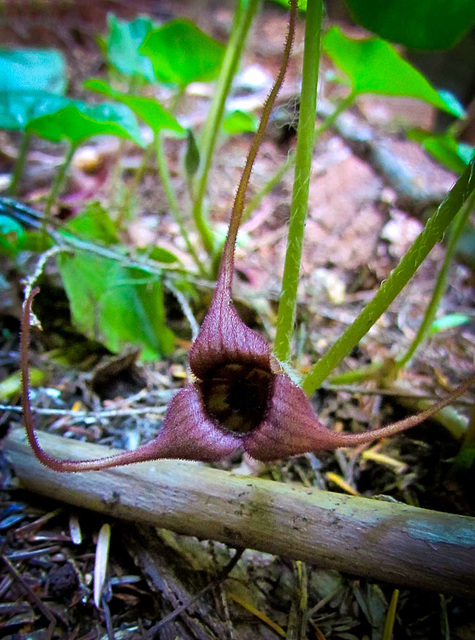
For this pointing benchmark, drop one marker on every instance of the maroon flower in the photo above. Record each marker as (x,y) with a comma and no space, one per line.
(239,398)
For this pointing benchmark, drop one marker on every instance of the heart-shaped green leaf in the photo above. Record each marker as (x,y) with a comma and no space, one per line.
(113,304)
(122,45)
(420,24)
(116,305)
(445,148)
(28,78)
(147,109)
(17,108)
(181,53)
(78,121)
(374,66)
(32,70)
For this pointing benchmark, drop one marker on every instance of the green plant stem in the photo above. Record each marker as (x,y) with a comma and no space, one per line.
(58,181)
(19,163)
(177,98)
(172,201)
(399,277)
(147,155)
(115,180)
(242,22)
(455,231)
(303,161)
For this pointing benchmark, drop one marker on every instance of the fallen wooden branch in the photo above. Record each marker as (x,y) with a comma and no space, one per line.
(381,540)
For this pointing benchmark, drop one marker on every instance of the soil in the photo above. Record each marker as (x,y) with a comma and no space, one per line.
(359,225)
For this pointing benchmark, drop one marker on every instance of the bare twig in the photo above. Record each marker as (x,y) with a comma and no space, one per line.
(89,416)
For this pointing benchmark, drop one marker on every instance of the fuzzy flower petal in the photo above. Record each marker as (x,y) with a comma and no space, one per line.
(290,426)
(224,338)
(188,433)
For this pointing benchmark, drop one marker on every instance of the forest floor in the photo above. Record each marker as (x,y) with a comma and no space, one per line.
(361,221)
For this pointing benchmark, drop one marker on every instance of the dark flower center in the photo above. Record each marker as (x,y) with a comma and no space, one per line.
(236,396)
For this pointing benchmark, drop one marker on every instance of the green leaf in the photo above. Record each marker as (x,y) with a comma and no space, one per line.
(27,78)
(31,70)
(17,108)
(240,122)
(465,152)
(192,155)
(116,305)
(122,45)
(181,53)
(445,148)
(448,322)
(418,24)
(93,224)
(147,109)
(78,121)
(374,66)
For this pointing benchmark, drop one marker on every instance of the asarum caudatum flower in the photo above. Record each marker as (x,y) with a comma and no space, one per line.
(239,398)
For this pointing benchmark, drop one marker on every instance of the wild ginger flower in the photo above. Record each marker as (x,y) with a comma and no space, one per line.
(240,397)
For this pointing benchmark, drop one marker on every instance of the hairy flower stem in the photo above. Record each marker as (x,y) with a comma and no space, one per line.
(242,22)
(303,161)
(172,201)
(432,233)
(455,232)
(227,261)
(355,439)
